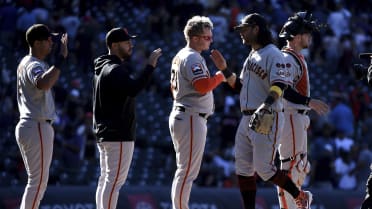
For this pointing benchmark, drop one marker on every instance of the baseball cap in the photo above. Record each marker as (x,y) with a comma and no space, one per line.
(37,32)
(251,20)
(118,35)
(365,55)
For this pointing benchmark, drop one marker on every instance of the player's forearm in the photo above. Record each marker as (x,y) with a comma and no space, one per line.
(291,95)
(48,79)
(276,91)
(205,85)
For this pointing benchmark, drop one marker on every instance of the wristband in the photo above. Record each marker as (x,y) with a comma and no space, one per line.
(60,60)
(277,90)
(269,100)
(227,73)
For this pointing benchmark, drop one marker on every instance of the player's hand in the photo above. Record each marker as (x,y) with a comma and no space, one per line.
(319,106)
(64,43)
(154,56)
(59,50)
(218,59)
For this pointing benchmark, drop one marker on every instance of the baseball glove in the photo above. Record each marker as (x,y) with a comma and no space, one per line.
(262,120)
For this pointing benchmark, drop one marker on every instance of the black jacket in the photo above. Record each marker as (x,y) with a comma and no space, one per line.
(114,92)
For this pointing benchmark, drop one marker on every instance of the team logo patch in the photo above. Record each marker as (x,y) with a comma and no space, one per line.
(280,65)
(37,70)
(197,69)
(283,73)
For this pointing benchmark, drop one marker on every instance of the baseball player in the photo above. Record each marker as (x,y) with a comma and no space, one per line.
(261,84)
(367,202)
(34,132)
(114,118)
(191,86)
(297,104)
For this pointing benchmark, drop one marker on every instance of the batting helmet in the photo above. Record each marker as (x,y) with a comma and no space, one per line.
(301,22)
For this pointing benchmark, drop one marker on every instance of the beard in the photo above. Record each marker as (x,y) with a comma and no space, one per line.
(247,40)
(125,54)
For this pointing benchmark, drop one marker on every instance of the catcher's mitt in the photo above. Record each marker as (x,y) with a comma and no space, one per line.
(262,120)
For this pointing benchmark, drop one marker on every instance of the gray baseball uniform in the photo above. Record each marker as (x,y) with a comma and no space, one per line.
(34,132)
(261,69)
(262,81)
(188,121)
(293,142)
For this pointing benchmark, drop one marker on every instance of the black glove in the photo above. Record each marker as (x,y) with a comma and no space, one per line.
(57,58)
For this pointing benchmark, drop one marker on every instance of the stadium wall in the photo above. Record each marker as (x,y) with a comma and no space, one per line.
(70,197)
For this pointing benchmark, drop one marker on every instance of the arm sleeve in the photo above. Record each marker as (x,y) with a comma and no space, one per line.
(291,95)
(205,85)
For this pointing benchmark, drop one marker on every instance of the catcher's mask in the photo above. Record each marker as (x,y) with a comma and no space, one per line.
(300,23)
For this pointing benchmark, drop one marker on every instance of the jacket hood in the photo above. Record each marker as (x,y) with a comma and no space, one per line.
(103,60)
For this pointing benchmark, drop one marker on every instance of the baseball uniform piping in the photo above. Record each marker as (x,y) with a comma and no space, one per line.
(249,79)
(188,164)
(282,197)
(117,175)
(275,136)
(41,167)
(293,136)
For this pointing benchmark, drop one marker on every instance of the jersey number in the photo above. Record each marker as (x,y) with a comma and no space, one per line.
(174,81)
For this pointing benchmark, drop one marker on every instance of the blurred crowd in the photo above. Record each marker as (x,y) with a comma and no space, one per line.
(339,143)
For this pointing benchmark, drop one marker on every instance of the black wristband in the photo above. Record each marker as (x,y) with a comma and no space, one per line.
(59,61)
(227,73)
(269,100)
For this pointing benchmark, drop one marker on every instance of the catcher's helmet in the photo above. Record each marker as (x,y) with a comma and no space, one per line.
(300,23)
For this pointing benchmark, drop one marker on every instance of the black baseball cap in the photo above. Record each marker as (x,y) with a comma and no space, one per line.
(37,32)
(252,20)
(118,35)
(365,55)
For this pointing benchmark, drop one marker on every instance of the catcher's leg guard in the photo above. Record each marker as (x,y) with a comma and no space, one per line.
(296,169)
